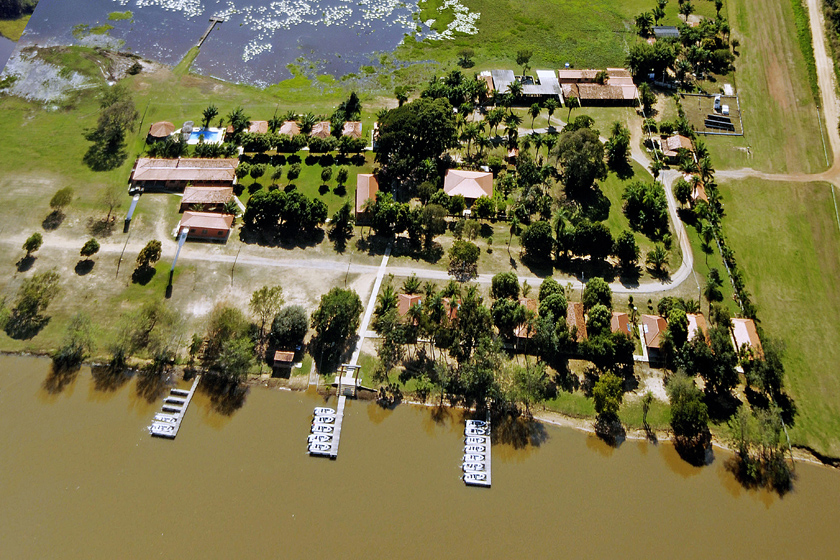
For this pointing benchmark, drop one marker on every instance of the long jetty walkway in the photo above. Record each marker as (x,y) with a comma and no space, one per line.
(477,463)
(213,22)
(167,422)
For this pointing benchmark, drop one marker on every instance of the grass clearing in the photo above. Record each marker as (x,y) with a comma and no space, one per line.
(780,117)
(12,29)
(786,241)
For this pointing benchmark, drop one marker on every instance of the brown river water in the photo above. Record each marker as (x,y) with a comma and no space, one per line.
(80,477)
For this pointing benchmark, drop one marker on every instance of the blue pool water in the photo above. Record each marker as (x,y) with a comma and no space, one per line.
(210,136)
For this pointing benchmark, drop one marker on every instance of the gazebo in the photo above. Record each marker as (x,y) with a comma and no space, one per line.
(161,130)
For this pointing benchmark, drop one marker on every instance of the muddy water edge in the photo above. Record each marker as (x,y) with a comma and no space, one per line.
(81,478)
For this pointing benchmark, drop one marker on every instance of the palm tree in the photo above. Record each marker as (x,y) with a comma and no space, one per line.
(537,139)
(469,133)
(411,285)
(274,123)
(515,89)
(550,106)
(658,259)
(572,102)
(534,110)
(290,116)
(658,13)
(307,121)
(700,149)
(644,21)
(483,142)
(385,301)
(209,114)
(706,170)
(494,118)
(707,235)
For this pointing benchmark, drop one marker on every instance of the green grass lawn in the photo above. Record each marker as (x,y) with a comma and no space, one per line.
(779,112)
(786,240)
(12,29)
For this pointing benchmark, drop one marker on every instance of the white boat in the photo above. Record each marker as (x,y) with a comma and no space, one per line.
(162,428)
(475,440)
(165,418)
(323,410)
(321,429)
(475,432)
(477,423)
(474,458)
(474,467)
(319,438)
(324,419)
(475,477)
(318,448)
(475,449)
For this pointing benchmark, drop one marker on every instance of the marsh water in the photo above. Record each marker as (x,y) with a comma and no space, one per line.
(6,49)
(80,477)
(255,45)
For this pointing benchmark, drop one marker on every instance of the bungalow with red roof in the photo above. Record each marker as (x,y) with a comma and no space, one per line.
(366,188)
(206,199)
(697,322)
(289,128)
(469,184)
(745,337)
(525,330)
(353,129)
(206,225)
(673,144)
(406,301)
(576,320)
(177,173)
(621,323)
(653,327)
(283,362)
(321,129)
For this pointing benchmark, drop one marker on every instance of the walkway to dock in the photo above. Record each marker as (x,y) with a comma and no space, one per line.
(213,22)
(167,423)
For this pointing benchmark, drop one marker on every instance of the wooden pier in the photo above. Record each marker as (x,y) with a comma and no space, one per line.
(167,423)
(213,22)
(477,466)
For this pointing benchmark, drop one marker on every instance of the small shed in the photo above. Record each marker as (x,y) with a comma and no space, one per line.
(666,32)
(283,362)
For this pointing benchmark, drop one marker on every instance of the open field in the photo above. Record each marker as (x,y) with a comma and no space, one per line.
(583,33)
(786,240)
(779,113)
(13,28)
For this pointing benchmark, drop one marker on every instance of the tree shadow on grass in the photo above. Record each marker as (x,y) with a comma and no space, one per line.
(340,190)
(226,396)
(323,189)
(143,275)
(103,227)
(59,378)
(84,266)
(25,263)
(24,327)
(53,220)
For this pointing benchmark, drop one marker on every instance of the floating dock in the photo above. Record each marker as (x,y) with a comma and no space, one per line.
(167,422)
(330,448)
(477,464)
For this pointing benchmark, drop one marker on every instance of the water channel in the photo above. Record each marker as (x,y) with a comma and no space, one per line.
(81,478)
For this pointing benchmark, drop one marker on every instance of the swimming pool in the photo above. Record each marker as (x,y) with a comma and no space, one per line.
(211,135)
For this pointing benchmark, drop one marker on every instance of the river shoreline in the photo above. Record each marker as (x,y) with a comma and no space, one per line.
(554,418)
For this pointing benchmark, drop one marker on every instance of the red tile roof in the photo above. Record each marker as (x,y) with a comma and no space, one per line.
(185,169)
(366,188)
(290,128)
(406,302)
(469,184)
(653,326)
(321,129)
(621,323)
(206,220)
(207,195)
(352,129)
(258,127)
(575,317)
